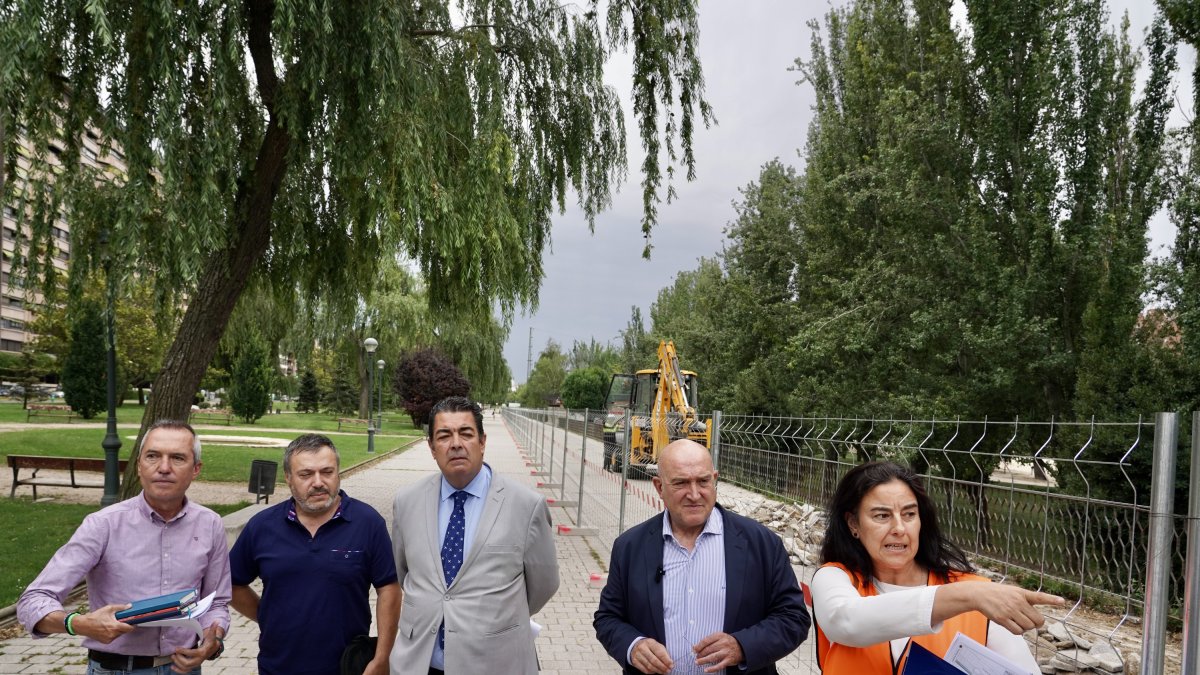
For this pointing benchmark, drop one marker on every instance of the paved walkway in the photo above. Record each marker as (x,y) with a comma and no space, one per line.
(566,646)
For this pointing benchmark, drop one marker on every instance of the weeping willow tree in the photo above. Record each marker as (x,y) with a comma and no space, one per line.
(303,142)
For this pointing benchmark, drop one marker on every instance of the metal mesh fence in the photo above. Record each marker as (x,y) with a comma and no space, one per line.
(1054,506)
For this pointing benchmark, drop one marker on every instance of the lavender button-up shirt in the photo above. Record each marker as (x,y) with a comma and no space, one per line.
(127,552)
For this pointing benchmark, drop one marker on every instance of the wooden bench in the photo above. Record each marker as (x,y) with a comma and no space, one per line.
(212,415)
(349,421)
(47,410)
(71,464)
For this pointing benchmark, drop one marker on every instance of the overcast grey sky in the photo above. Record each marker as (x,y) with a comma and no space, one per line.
(746,47)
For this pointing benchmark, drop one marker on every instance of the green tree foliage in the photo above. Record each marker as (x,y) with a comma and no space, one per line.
(967,239)
(397,314)
(585,388)
(27,368)
(1181,278)
(593,354)
(251,380)
(84,372)
(310,395)
(425,377)
(545,382)
(637,349)
(963,207)
(140,326)
(746,364)
(687,313)
(244,127)
(476,346)
(341,398)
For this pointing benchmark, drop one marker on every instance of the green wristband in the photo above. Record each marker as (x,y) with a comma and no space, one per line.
(67,623)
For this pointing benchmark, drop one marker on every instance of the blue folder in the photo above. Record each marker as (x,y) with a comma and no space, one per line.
(157,605)
(921,661)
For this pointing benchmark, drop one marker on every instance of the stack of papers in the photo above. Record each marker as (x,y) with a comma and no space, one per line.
(159,607)
(964,656)
(170,611)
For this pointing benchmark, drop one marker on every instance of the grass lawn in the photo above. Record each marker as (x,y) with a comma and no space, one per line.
(395,421)
(33,532)
(222,463)
(12,410)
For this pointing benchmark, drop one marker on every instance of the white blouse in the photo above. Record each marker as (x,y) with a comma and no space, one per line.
(896,614)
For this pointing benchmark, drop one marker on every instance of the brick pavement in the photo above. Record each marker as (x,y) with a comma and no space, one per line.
(566,646)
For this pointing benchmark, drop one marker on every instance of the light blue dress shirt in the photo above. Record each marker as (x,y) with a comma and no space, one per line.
(693,591)
(472,510)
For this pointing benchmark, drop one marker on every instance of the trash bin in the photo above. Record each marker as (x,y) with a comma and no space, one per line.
(262,479)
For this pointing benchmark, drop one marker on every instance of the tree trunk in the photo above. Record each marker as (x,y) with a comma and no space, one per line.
(226,271)
(221,284)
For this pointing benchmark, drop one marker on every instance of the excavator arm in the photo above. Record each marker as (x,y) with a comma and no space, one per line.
(671,404)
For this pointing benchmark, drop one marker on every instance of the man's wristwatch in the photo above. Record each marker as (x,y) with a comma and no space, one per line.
(220,647)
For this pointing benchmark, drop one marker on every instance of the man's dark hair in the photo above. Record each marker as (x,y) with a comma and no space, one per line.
(934,552)
(308,443)
(456,404)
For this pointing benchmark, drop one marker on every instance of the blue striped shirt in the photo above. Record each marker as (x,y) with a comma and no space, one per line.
(693,591)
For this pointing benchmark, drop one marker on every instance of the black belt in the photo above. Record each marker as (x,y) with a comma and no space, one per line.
(110,661)
(435,671)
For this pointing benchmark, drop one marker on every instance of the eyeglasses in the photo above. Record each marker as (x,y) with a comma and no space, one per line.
(152,458)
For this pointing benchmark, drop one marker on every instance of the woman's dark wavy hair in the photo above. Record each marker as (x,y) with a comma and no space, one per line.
(934,552)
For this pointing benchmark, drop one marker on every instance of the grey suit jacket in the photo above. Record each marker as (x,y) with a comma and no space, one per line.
(510,573)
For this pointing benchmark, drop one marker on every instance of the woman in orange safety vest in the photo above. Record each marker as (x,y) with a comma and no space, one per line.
(890,578)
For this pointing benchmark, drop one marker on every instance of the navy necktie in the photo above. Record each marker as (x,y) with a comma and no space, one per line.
(452,548)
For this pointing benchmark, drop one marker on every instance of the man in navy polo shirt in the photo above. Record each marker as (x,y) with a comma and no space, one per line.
(317,554)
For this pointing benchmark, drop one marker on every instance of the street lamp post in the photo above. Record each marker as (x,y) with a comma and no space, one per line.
(379,418)
(370,344)
(111,442)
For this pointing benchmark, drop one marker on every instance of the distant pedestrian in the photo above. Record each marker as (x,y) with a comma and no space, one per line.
(156,543)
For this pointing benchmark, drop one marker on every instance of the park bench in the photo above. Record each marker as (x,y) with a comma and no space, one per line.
(212,415)
(49,410)
(349,421)
(69,464)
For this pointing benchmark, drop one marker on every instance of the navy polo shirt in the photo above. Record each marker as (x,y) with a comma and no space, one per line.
(315,589)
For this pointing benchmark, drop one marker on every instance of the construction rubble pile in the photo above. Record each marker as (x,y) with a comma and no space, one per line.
(1059,648)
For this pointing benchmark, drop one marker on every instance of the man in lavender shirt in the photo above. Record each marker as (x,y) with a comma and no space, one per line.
(156,543)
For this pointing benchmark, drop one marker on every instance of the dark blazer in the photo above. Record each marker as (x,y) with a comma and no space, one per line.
(764,609)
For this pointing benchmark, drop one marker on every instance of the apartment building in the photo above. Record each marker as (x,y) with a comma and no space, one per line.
(19,301)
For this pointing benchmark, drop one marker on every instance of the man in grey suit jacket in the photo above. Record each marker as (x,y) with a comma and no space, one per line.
(490,537)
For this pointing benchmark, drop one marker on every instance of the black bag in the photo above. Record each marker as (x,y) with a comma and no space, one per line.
(358,654)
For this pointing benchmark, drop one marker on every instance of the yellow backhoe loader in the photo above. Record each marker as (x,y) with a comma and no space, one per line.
(662,405)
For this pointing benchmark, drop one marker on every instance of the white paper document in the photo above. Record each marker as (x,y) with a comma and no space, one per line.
(188,620)
(975,659)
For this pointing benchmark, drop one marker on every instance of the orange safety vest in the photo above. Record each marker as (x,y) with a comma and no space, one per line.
(838,659)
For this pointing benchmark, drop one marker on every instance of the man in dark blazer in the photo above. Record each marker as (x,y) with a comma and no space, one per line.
(698,588)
